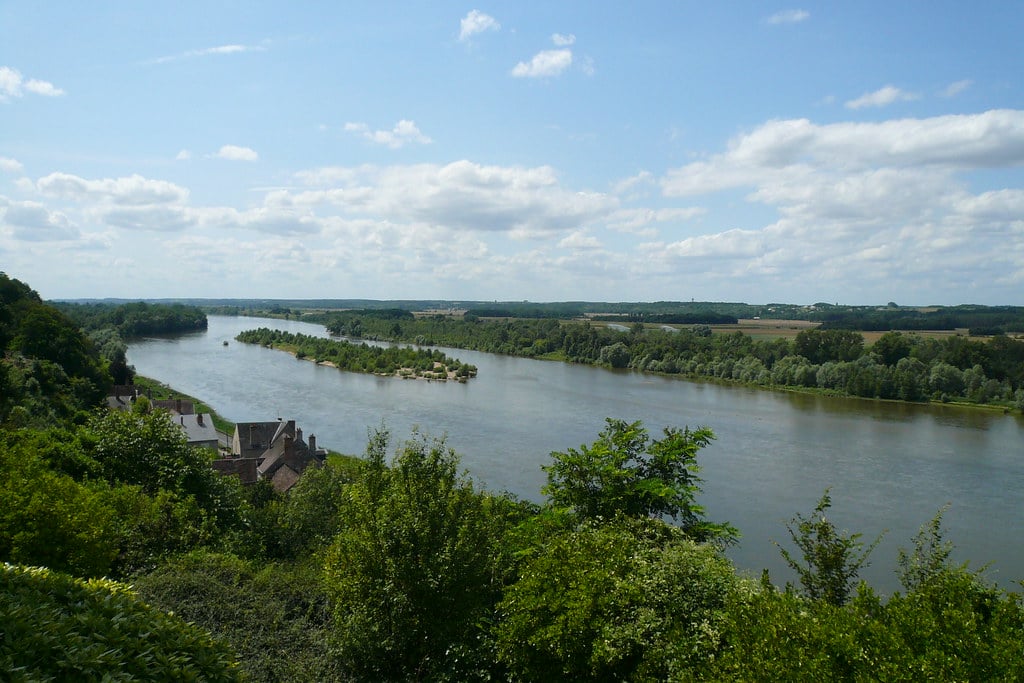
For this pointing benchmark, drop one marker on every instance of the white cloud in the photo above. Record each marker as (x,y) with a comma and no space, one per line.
(954,89)
(881,97)
(134,190)
(33,222)
(183,155)
(580,240)
(207,51)
(884,198)
(461,196)
(793,150)
(563,40)
(8,165)
(266,219)
(476,22)
(132,202)
(403,133)
(728,244)
(44,88)
(789,16)
(639,220)
(544,64)
(236,153)
(12,84)
(628,184)
(152,217)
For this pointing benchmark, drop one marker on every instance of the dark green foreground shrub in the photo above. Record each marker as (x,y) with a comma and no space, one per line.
(57,627)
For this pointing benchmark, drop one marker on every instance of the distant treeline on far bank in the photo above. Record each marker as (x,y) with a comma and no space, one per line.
(899,365)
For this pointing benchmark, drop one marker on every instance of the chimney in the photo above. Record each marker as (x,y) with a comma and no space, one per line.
(312,444)
(289,449)
(298,434)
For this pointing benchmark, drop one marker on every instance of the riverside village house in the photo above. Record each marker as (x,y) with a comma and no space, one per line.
(273,450)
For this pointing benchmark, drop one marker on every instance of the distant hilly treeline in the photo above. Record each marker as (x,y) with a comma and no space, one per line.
(980,320)
(137,318)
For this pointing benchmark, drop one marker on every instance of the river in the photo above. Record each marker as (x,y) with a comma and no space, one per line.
(890,466)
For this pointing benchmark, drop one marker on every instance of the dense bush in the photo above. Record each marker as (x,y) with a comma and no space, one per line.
(276,617)
(57,627)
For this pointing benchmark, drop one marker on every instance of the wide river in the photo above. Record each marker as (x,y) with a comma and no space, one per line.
(890,466)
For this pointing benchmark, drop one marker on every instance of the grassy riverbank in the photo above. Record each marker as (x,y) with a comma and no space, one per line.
(159,390)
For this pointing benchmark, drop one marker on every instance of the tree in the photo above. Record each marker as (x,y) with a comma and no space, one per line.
(831,559)
(151,451)
(820,346)
(412,573)
(629,600)
(615,355)
(891,347)
(929,558)
(625,473)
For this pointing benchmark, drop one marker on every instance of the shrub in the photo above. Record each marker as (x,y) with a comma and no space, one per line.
(58,627)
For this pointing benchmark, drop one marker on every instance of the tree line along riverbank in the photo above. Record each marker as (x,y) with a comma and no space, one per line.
(897,366)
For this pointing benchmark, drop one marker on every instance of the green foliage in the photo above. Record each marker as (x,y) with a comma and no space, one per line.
(615,355)
(412,574)
(930,557)
(58,511)
(302,523)
(276,617)
(820,346)
(49,519)
(392,360)
(150,451)
(991,318)
(56,627)
(632,600)
(773,636)
(626,473)
(891,347)
(49,372)
(136,319)
(953,628)
(831,559)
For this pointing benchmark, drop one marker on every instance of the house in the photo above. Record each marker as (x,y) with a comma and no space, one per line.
(270,450)
(122,396)
(199,429)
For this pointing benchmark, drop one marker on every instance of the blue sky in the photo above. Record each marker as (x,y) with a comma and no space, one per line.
(738,151)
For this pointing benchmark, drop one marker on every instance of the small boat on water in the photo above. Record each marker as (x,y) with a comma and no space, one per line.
(225,342)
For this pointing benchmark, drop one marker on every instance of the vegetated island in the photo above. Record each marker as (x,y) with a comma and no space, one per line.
(397,361)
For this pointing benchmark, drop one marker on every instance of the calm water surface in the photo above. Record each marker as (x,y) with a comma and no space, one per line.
(889,466)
